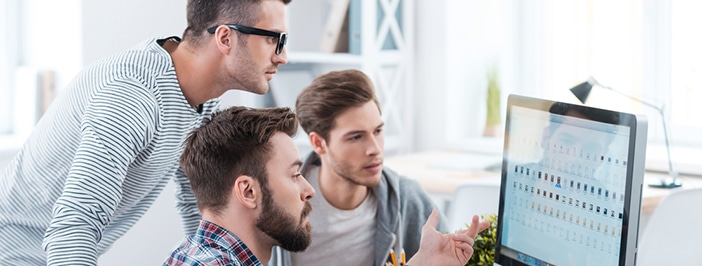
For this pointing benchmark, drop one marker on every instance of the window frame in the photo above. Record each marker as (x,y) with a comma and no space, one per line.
(524,74)
(8,51)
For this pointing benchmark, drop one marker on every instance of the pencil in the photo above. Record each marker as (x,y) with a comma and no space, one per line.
(393,258)
(402,258)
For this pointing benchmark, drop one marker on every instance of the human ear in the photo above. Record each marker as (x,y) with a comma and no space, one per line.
(223,37)
(247,191)
(318,143)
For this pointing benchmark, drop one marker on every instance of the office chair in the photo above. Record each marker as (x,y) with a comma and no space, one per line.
(673,233)
(472,197)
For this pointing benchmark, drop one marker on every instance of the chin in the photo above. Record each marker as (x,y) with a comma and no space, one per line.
(264,88)
(375,180)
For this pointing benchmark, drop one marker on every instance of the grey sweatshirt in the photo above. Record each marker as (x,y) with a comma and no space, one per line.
(403,208)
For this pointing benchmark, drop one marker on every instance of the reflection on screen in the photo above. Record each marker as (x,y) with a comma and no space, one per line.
(565,186)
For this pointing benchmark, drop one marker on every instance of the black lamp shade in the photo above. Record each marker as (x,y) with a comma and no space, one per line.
(582,91)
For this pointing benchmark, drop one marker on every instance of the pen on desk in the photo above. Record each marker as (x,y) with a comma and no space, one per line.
(393,258)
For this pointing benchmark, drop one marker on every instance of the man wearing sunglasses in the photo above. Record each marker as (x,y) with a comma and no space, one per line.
(106,148)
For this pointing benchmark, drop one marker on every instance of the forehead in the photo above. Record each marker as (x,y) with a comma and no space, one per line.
(272,16)
(364,117)
(284,152)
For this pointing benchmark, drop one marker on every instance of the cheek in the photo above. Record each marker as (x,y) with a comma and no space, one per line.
(263,53)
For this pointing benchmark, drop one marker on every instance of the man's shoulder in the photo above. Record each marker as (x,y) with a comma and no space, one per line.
(410,190)
(202,260)
(403,181)
(203,252)
(144,57)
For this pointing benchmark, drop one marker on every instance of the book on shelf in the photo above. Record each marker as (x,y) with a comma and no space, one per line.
(354,30)
(335,37)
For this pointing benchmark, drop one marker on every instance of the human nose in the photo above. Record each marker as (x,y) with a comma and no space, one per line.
(307,190)
(282,58)
(376,145)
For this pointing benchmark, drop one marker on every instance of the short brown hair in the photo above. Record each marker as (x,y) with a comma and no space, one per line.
(233,142)
(329,95)
(203,14)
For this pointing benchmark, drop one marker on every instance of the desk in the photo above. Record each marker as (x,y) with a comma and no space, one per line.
(440,181)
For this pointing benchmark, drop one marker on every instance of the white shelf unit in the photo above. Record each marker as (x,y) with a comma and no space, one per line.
(386,56)
(324,58)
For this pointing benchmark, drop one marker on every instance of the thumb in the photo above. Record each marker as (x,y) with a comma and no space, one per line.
(433,220)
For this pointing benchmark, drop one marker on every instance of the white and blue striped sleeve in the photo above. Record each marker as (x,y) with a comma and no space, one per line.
(186,203)
(185,200)
(119,122)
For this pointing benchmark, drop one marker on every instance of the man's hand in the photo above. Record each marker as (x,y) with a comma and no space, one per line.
(436,248)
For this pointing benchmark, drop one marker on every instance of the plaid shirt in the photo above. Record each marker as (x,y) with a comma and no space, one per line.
(212,245)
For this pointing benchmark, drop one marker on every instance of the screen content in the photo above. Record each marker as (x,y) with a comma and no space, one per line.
(564,191)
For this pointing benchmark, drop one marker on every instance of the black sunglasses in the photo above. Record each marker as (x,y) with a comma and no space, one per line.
(282,36)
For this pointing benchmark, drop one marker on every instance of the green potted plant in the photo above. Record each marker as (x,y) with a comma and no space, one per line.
(485,241)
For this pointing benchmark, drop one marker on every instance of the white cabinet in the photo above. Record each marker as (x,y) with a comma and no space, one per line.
(384,52)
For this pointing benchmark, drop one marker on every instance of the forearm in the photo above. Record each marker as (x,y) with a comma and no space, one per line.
(420,259)
(70,245)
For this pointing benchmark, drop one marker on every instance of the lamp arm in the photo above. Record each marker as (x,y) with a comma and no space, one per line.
(673,173)
(671,169)
(658,108)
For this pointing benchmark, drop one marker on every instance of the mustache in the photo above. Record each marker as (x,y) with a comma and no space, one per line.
(307,209)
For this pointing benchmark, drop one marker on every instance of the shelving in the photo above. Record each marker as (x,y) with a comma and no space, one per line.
(323,58)
(385,54)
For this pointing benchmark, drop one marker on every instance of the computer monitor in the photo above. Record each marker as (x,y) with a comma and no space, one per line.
(572,178)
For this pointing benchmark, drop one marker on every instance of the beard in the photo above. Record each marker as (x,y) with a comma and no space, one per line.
(288,230)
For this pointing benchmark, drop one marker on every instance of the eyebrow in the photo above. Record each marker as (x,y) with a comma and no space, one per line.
(353,132)
(296,163)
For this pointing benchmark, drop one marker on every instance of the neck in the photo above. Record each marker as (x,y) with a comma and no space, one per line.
(194,68)
(339,191)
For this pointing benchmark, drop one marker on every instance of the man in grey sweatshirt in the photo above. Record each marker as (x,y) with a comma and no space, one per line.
(363,212)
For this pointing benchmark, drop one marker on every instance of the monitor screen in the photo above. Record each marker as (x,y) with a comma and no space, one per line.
(571,184)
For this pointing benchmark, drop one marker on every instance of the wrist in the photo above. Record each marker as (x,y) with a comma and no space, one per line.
(418,259)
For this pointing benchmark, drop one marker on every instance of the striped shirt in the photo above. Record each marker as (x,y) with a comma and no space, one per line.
(212,245)
(98,159)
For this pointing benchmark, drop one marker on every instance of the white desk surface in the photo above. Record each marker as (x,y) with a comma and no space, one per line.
(422,166)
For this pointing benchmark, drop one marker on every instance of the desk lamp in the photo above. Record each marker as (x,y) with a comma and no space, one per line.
(582,91)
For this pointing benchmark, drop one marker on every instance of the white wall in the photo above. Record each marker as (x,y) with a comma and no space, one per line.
(111,26)
(430,74)
(50,39)
(457,43)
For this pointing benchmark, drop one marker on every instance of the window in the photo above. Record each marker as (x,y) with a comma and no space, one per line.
(35,58)
(686,70)
(648,49)
(8,44)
